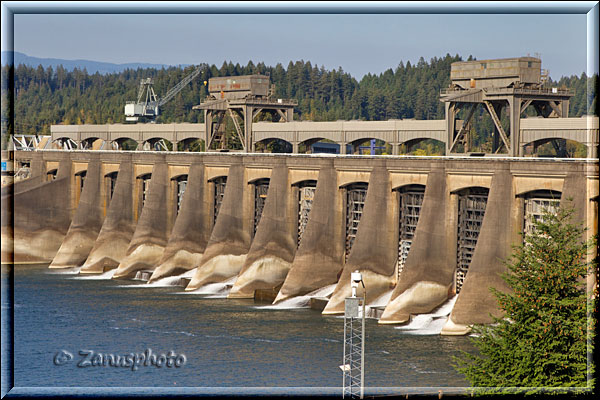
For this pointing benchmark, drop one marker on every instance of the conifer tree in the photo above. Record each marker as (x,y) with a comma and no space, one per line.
(544,340)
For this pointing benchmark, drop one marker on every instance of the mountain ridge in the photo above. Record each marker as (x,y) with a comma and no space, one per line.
(91,66)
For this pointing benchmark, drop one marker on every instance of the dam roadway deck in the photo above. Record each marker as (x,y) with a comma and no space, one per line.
(420,229)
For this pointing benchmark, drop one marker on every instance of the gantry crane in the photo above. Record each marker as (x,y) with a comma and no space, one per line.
(148,104)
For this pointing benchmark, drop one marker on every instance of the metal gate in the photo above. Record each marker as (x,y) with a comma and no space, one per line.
(306,195)
(181,186)
(471,209)
(535,206)
(355,202)
(410,202)
(261,187)
(219,192)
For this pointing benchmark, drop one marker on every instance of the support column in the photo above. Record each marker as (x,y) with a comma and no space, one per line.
(564,108)
(450,124)
(342,147)
(396,149)
(207,129)
(249,142)
(516,150)
(289,114)
(295,147)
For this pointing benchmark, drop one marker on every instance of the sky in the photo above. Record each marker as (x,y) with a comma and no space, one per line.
(358,43)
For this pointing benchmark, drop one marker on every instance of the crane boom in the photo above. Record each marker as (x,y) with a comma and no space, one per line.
(148,107)
(177,88)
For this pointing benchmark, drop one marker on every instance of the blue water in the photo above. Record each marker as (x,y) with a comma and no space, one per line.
(229,345)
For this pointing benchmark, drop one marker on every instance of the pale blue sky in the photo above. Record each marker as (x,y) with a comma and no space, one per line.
(359,43)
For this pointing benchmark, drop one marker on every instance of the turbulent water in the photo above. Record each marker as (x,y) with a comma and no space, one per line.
(226,343)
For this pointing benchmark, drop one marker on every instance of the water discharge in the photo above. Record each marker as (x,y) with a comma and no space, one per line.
(213,290)
(429,324)
(65,271)
(301,301)
(106,275)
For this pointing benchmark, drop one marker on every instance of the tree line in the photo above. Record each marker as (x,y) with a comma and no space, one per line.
(41,97)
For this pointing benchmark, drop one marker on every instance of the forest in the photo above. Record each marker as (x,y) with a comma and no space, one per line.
(42,97)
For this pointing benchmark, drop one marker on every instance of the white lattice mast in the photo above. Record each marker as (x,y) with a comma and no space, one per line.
(354,344)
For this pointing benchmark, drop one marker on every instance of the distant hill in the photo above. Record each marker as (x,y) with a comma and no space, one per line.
(91,66)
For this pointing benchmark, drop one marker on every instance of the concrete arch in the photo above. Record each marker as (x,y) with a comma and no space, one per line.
(470,188)
(188,142)
(178,177)
(289,147)
(551,194)
(216,177)
(410,143)
(259,180)
(353,184)
(408,186)
(356,142)
(123,139)
(153,143)
(305,182)
(88,143)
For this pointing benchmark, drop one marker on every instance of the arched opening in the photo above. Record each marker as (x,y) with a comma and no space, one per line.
(124,143)
(51,174)
(157,144)
(423,147)
(65,143)
(410,200)
(261,189)
(535,204)
(143,184)
(318,145)
(179,184)
(354,199)
(110,182)
(218,189)
(471,210)
(79,181)
(556,147)
(370,146)
(92,143)
(191,145)
(306,194)
(273,145)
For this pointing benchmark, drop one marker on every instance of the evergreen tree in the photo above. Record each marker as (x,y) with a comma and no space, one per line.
(542,341)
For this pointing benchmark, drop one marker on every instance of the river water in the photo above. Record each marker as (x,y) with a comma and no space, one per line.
(218,345)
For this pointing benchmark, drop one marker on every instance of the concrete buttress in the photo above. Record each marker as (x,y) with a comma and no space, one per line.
(318,260)
(119,224)
(229,241)
(475,301)
(274,245)
(40,219)
(86,223)
(152,231)
(191,231)
(427,276)
(374,251)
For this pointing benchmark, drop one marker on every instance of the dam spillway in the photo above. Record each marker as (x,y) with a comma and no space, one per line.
(420,229)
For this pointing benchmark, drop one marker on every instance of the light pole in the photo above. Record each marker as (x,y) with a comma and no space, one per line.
(354,344)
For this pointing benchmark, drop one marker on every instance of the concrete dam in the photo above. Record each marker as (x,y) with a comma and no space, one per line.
(422,230)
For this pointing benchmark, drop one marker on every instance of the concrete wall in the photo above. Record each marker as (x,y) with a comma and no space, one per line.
(137,238)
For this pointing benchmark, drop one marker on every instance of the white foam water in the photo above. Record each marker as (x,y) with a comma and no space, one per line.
(64,271)
(432,323)
(163,282)
(107,275)
(215,290)
(301,301)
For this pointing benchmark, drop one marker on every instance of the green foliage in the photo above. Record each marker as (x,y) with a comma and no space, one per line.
(544,339)
(43,97)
